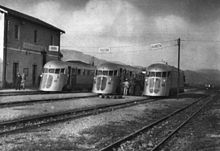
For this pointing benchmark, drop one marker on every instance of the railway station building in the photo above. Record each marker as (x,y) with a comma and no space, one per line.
(26,44)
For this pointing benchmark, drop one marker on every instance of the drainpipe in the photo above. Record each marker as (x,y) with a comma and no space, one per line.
(5,50)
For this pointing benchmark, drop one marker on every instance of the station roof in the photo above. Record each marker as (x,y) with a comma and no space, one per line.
(29,18)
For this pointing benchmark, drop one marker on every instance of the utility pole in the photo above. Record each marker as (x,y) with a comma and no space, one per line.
(178,82)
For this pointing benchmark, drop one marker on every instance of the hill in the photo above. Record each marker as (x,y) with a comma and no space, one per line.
(202,77)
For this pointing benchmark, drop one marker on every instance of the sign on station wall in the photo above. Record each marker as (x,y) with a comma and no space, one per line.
(53,48)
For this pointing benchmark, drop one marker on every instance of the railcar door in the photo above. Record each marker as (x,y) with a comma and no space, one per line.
(73,78)
(69,78)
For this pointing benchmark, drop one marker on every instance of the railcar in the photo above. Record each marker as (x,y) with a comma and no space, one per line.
(70,75)
(109,77)
(162,80)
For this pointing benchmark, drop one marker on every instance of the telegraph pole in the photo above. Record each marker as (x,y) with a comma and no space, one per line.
(178,82)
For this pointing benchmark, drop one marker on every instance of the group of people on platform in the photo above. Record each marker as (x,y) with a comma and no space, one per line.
(20,81)
(129,87)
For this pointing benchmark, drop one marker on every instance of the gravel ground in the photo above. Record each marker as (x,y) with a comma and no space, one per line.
(202,133)
(93,132)
(42,108)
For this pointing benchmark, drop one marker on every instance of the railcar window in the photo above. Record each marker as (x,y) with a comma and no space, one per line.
(152,74)
(84,71)
(57,71)
(105,72)
(45,70)
(164,74)
(158,74)
(99,72)
(62,70)
(111,73)
(79,71)
(74,71)
(51,70)
(115,72)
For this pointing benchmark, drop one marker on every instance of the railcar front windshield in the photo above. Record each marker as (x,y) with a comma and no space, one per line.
(157,74)
(106,72)
(54,70)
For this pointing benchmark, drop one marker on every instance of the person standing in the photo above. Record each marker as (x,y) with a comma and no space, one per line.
(23,79)
(18,81)
(126,87)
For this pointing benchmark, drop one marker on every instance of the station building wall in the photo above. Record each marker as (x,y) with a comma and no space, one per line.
(26,49)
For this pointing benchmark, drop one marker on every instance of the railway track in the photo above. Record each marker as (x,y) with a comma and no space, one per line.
(16,125)
(29,102)
(153,136)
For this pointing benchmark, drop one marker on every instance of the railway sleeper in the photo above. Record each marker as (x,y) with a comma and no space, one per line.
(110,96)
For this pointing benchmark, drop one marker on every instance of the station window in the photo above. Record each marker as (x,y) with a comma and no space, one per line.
(16,32)
(35,36)
(51,39)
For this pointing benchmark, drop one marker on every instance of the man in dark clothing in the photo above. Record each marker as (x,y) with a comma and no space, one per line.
(18,81)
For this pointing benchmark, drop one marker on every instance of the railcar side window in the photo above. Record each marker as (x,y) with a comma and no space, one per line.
(111,73)
(115,72)
(74,71)
(158,74)
(62,70)
(164,74)
(57,71)
(79,71)
(51,70)
(84,71)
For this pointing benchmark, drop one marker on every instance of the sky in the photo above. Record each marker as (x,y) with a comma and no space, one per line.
(129,28)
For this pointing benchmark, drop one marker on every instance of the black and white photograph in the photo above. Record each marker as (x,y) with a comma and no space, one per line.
(109,75)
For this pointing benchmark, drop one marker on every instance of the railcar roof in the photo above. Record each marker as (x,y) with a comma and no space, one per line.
(62,64)
(55,64)
(115,66)
(160,67)
(80,64)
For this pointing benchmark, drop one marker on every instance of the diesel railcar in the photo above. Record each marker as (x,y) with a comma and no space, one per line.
(70,75)
(109,77)
(162,80)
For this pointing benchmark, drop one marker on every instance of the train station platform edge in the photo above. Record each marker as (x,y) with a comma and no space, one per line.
(14,90)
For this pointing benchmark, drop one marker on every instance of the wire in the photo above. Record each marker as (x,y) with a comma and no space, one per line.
(200,40)
(125,46)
